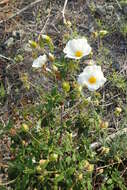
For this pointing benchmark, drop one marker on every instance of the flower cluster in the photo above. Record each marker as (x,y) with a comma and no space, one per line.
(92,76)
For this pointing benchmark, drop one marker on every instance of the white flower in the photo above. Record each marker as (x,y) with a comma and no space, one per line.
(92,76)
(77,48)
(40,61)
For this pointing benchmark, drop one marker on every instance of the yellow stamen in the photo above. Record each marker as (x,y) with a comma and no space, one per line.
(92,80)
(78,53)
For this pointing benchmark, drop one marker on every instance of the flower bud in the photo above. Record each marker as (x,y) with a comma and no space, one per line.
(95,34)
(104,124)
(70,136)
(102,33)
(41,178)
(12,132)
(89,167)
(66,86)
(118,159)
(105,150)
(118,110)
(46,38)
(100,171)
(91,54)
(80,176)
(53,157)
(54,68)
(68,23)
(38,169)
(25,127)
(58,75)
(42,162)
(33,44)
(51,57)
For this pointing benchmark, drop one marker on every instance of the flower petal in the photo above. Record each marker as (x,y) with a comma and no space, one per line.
(94,72)
(40,61)
(77,48)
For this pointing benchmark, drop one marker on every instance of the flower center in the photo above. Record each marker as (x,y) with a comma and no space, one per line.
(78,53)
(92,80)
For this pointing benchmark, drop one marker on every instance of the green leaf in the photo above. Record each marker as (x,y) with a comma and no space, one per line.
(2,91)
(59,178)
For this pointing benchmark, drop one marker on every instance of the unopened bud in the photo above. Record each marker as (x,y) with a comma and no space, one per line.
(80,176)
(68,23)
(38,169)
(102,33)
(25,127)
(66,86)
(89,167)
(105,150)
(46,37)
(104,124)
(42,162)
(53,157)
(100,171)
(54,68)
(118,110)
(95,34)
(33,44)
(51,57)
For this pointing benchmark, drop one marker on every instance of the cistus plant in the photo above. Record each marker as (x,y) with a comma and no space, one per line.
(62,142)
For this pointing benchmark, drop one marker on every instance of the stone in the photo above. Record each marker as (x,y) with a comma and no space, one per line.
(100,10)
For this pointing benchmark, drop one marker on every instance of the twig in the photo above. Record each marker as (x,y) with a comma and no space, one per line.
(123,172)
(63,11)
(7,58)
(108,165)
(43,29)
(95,145)
(20,11)
(118,4)
(7,183)
(118,133)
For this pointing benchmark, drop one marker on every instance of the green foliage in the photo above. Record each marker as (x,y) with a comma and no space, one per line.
(118,81)
(2,92)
